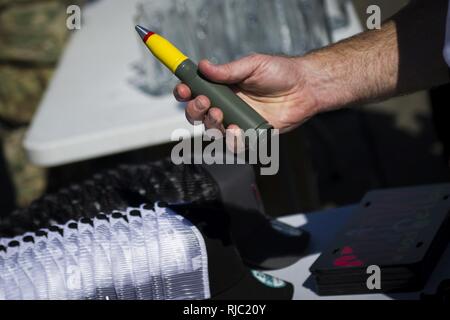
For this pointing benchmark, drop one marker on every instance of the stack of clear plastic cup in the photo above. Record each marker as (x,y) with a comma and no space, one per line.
(141,253)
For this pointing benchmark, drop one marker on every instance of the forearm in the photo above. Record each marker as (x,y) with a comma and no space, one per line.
(404,56)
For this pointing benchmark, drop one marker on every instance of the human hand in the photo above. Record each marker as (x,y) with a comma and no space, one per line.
(274,86)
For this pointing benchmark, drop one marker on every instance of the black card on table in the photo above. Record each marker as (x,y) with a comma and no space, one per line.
(403,231)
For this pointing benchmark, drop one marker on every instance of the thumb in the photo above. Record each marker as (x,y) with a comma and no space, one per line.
(232,72)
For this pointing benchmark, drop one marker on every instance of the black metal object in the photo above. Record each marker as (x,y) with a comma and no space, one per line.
(401,231)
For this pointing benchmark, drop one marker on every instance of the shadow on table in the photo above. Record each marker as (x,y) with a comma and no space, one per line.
(322,229)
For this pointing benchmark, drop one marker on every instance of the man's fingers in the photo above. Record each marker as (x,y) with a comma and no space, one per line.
(213,119)
(234,139)
(182,92)
(233,72)
(196,109)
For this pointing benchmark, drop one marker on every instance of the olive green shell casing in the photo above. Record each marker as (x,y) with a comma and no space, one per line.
(235,110)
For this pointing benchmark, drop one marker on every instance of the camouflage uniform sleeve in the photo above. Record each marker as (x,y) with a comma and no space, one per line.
(33,34)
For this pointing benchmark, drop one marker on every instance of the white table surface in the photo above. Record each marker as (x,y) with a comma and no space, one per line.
(323,226)
(91,107)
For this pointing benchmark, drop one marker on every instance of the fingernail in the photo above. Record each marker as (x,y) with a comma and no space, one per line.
(211,119)
(199,104)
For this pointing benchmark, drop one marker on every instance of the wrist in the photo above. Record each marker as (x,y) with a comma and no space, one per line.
(324,80)
(357,70)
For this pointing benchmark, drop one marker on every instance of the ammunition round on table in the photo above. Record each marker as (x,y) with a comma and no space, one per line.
(235,110)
